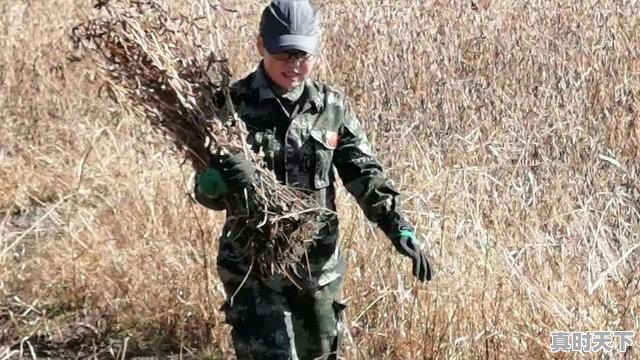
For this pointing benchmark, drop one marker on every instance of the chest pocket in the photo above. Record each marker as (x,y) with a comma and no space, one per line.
(325,143)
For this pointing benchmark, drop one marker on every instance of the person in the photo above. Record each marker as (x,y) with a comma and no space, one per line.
(305,128)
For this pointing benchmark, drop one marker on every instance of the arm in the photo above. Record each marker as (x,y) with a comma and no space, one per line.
(364,178)
(210,189)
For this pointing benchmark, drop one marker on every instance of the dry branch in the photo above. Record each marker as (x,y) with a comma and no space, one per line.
(154,65)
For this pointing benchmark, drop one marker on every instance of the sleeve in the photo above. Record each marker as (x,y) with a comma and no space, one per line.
(364,178)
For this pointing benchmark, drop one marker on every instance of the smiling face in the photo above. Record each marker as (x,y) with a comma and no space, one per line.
(286,71)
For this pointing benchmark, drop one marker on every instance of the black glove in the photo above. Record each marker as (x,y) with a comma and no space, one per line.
(406,243)
(403,239)
(236,171)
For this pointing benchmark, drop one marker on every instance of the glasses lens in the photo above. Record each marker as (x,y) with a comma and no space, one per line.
(281,56)
(289,55)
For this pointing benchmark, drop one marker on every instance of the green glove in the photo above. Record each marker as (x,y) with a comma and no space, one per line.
(210,183)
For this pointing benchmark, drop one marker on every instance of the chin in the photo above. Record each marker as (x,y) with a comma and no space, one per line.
(290,84)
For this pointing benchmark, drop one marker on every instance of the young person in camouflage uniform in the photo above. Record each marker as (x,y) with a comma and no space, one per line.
(305,128)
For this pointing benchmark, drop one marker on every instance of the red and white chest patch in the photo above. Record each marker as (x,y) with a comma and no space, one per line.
(332,139)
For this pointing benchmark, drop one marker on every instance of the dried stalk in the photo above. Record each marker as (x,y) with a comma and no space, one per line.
(154,66)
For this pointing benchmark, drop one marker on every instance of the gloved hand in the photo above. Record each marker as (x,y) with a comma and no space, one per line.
(406,243)
(226,173)
(210,183)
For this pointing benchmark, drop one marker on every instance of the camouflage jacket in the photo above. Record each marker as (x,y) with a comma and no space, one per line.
(321,134)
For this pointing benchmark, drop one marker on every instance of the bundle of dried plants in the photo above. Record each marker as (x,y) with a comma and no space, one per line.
(153,65)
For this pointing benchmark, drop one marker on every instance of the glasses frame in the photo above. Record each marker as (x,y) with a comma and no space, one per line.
(295,55)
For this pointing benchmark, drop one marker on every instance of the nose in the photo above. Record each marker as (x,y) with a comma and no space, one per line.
(295,60)
(294,64)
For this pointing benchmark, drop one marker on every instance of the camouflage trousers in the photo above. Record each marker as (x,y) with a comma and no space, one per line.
(275,320)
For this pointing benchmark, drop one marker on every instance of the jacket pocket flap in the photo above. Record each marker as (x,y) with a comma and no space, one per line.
(329,139)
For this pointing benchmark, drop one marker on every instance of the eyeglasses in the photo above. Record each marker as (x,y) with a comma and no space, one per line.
(292,55)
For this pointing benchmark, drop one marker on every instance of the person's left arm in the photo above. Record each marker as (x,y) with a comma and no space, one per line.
(364,178)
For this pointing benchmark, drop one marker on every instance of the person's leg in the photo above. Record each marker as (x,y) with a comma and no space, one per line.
(317,321)
(262,328)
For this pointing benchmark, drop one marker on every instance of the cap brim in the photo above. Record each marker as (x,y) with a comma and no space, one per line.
(282,43)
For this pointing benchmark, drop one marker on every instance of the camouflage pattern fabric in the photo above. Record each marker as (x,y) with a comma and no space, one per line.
(304,143)
(273,319)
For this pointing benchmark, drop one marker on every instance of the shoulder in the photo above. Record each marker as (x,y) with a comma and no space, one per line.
(334,101)
(240,91)
(328,88)
(243,85)
(329,95)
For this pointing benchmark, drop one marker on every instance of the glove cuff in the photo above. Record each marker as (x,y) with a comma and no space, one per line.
(403,233)
(394,226)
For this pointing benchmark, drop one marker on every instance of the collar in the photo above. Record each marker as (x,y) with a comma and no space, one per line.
(261,85)
(313,94)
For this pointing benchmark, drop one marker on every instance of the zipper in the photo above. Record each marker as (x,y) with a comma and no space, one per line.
(285,152)
(291,116)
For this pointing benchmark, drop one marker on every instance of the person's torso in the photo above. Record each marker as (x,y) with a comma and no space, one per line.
(306,136)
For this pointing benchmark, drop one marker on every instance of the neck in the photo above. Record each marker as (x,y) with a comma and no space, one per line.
(290,94)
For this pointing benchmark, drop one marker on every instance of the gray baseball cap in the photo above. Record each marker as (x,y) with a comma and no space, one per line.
(290,25)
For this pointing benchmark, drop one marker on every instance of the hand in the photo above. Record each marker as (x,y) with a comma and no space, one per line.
(235,170)
(210,183)
(225,173)
(406,243)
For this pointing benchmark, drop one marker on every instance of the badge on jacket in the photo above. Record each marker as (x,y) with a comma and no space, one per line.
(332,139)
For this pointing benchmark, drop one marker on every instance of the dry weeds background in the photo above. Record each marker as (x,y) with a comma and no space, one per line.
(510,126)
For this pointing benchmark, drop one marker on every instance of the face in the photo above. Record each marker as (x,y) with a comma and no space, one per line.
(287,70)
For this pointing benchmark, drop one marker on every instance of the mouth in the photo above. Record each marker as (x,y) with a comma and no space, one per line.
(291,76)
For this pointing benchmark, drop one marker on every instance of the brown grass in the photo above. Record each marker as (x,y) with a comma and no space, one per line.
(511,128)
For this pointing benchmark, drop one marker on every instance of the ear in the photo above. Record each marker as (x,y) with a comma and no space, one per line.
(260,45)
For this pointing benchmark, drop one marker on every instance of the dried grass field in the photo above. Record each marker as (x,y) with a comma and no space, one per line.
(511,128)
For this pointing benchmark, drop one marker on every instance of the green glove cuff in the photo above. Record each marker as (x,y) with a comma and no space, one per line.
(407,233)
(210,183)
